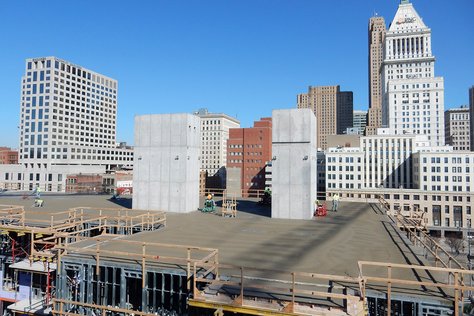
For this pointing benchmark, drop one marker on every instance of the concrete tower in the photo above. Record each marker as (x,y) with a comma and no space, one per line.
(413,98)
(377,31)
(294,163)
(166,167)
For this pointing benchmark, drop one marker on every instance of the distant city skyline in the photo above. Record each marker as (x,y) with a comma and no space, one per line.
(239,58)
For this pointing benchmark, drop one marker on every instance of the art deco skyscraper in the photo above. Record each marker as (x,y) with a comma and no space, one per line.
(376,41)
(413,98)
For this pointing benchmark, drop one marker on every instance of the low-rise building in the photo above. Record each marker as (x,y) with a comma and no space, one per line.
(8,156)
(249,149)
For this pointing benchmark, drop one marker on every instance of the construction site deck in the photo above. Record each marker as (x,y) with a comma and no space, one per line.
(328,265)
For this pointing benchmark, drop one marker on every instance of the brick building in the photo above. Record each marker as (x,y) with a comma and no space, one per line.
(8,156)
(249,149)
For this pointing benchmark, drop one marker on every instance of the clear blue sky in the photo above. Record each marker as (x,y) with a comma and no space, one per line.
(243,58)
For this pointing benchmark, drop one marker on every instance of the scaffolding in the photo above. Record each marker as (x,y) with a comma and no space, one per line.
(32,245)
(87,261)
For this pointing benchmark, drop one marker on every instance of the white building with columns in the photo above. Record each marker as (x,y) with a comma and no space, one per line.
(412,97)
(214,135)
(381,161)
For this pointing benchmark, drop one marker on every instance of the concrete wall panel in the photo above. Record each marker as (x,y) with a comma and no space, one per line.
(294,170)
(168,165)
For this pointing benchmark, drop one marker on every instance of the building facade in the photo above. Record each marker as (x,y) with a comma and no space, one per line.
(67,122)
(377,31)
(359,123)
(214,135)
(333,110)
(443,171)
(457,128)
(8,156)
(471,116)
(249,149)
(413,98)
(380,161)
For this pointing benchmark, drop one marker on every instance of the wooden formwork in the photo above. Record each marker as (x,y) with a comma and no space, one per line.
(147,253)
(74,225)
(269,292)
(238,289)
(12,214)
(448,280)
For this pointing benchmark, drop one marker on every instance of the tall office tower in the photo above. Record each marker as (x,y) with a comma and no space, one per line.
(413,98)
(377,31)
(456,129)
(471,116)
(249,149)
(67,124)
(359,122)
(214,135)
(332,107)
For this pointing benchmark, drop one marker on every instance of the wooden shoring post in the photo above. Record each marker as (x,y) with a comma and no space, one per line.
(188,269)
(242,285)
(32,247)
(143,264)
(97,251)
(216,263)
(52,221)
(389,291)
(194,281)
(293,280)
(456,294)
(23,217)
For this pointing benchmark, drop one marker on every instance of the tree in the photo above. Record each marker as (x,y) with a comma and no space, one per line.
(455,244)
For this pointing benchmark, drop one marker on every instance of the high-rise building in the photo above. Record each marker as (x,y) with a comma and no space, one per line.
(214,135)
(471,116)
(456,129)
(250,149)
(413,98)
(332,107)
(359,120)
(377,31)
(67,124)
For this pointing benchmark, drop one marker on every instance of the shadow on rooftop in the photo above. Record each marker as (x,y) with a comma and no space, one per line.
(122,202)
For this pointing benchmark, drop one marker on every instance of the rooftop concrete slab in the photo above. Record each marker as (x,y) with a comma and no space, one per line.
(331,245)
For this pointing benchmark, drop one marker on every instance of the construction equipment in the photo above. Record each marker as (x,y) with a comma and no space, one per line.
(321,210)
(209,205)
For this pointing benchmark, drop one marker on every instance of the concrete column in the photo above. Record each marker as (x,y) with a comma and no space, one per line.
(294,170)
(166,162)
